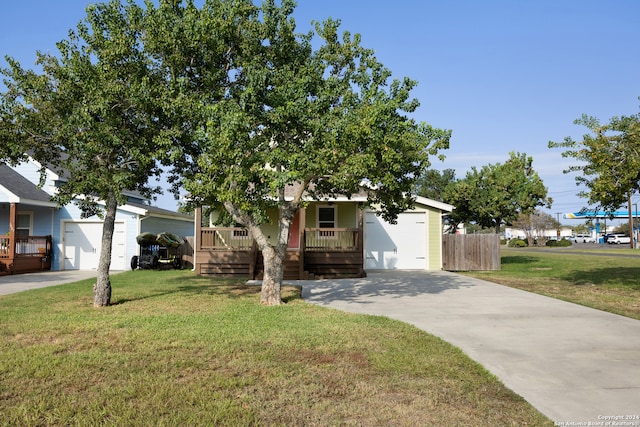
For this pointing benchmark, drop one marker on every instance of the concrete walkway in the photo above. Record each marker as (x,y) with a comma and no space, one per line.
(11,284)
(574,364)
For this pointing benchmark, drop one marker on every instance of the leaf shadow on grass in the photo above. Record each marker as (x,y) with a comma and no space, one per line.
(519,259)
(626,277)
(120,301)
(238,290)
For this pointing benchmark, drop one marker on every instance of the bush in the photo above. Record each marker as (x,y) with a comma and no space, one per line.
(559,243)
(517,243)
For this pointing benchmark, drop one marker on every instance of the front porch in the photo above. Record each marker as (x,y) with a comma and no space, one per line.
(24,254)
(313,252)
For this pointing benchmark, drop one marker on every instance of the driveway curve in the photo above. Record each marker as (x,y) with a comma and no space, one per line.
(10,284)
(574,364)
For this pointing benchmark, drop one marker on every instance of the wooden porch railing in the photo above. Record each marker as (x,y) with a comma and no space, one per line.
(226,239)
(5,244)
(323,252)
(334,239)
(26,246)
(32,253)
(316,239)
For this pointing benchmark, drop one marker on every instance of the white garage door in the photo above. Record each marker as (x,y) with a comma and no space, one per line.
(82,241)
(396,246)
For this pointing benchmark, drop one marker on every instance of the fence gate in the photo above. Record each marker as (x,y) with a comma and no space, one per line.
(467,252)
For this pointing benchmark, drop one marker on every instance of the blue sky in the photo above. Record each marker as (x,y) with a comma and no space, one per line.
(502,75)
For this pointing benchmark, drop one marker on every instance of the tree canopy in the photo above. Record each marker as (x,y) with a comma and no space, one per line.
(497,193)
(273,109)
(433,183)
(608,158)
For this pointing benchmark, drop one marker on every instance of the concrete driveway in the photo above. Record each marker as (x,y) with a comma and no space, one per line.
(22,282)
(574,364)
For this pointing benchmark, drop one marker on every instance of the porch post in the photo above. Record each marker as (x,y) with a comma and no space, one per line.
(13,221)
(361,238)
(197,237)
(302,223)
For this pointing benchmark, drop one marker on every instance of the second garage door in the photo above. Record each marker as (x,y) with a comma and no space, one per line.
(82,242)
(396,246)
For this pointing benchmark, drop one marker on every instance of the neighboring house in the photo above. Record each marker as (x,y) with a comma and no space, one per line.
(48,237)
(511,233)
(329,238)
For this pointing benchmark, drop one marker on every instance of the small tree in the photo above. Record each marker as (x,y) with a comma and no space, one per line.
(535,225)
(90,115)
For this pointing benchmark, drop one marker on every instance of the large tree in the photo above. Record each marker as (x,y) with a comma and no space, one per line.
(497,193)
(90,115)
(272,108)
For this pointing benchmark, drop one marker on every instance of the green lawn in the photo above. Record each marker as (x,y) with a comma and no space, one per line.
(176,349)
(592,277)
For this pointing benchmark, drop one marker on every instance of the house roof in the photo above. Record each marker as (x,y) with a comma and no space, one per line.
(61,174)
(361,196)
(20,190)
(154,211)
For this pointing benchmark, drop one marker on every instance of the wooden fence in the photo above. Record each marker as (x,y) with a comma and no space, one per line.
(468,252)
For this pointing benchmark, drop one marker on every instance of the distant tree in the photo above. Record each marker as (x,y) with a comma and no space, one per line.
(583,228)
(269,108)
(497,193)
(609,158)
(432,183)
(435,185)
(89,113)
(534,225)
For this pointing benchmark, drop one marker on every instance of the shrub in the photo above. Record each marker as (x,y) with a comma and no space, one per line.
(559,243)
(517,243)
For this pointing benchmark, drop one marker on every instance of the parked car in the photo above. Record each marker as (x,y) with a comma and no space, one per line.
(583,238)
(618,239)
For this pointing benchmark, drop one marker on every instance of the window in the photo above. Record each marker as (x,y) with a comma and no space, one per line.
(23,225)
(326,218)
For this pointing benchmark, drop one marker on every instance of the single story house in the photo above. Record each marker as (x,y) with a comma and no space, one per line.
(48,237)
(335,237)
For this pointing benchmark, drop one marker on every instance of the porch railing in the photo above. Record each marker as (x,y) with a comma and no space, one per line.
(26,246)
(335,239)
(315,239)
(5,244)
(226,239)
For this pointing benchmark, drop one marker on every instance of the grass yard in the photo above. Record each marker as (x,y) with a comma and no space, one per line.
(594,278)
(176,349)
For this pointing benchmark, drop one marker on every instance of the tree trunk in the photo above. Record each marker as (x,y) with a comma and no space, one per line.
(102,288)
(273,255)
(273,275)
